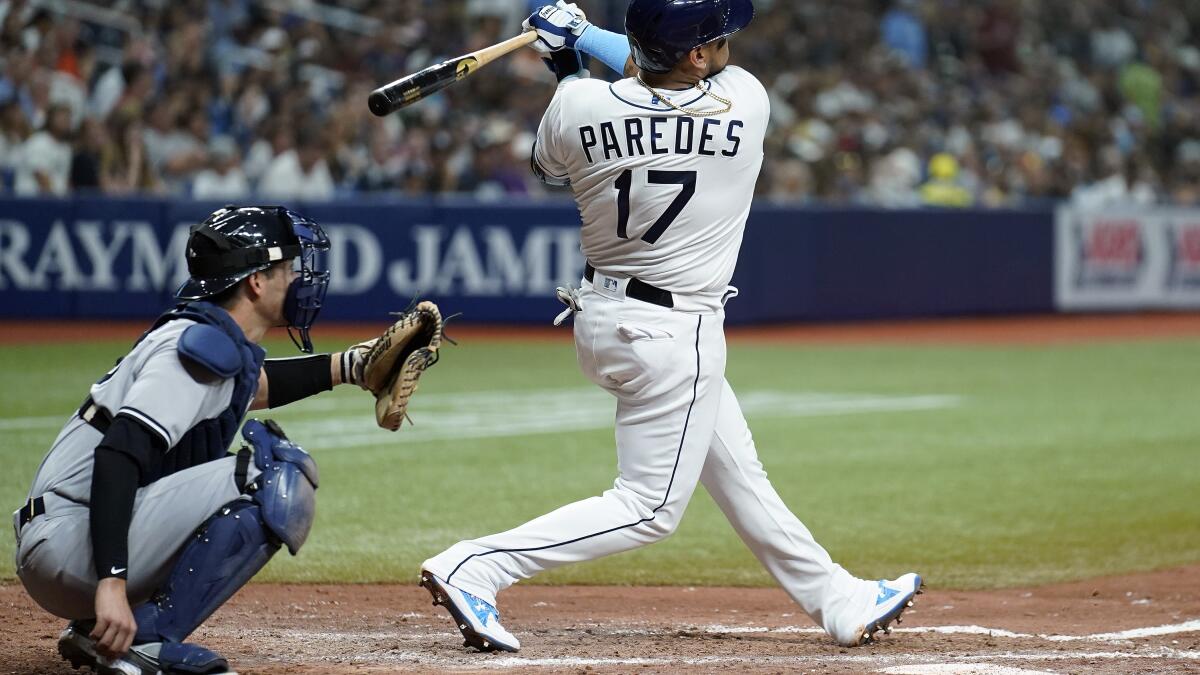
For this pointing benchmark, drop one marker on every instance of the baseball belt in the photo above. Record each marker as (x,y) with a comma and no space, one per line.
(98,418)
(638,289)
(32,509)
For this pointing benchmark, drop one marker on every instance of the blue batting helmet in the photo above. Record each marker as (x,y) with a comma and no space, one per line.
(662,32)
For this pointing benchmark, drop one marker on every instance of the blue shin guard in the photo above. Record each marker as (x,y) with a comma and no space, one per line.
(233,545)
(224,554)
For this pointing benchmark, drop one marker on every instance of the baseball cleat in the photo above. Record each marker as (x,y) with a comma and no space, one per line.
(79,650)
(892,599)
(146,659)
(476,619)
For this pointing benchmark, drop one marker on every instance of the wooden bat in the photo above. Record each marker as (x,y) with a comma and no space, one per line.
(412,88)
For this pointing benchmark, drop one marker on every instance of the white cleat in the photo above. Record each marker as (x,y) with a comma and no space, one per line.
(891,599)
(476,619)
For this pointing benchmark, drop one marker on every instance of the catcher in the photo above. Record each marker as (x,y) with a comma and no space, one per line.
(140,523)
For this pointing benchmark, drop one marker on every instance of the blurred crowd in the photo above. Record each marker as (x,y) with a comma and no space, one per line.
(895,103)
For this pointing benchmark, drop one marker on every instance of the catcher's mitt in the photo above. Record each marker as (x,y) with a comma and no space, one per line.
(398,357)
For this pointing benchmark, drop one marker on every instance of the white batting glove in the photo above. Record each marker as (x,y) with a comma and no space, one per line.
(353,361)
(558,26)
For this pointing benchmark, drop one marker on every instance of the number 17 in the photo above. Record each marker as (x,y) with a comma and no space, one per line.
(624,184)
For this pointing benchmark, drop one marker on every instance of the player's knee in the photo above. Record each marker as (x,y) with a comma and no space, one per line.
(664,524)
(286,489)
(70,598)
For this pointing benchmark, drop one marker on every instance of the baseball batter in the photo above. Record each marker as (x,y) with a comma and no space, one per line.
(662,165)
(139,524)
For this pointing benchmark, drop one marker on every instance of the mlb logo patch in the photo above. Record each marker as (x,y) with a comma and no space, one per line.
(610,284)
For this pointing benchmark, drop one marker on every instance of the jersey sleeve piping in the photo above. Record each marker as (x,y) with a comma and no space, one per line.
(547,177)
(149,423)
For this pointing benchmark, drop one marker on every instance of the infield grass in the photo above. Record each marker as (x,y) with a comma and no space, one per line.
(1034,464)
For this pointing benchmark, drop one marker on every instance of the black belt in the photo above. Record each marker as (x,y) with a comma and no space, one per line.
(94,415)
(638,289)
(32,509)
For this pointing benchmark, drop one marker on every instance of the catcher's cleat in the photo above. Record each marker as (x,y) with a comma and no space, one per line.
(476,619)
(892,599)
(79,650)
(156,658)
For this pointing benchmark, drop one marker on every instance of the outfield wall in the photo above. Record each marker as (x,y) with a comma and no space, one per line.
(106,258)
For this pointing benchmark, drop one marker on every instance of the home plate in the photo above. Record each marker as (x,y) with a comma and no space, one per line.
(960,669)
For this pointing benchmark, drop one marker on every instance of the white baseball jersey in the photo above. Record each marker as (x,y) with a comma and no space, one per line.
(664,196)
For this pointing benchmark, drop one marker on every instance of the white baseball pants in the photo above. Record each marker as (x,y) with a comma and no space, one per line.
(677,423)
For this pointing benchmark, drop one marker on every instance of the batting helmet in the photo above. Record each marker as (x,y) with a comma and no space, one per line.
(662,32)
(235,242)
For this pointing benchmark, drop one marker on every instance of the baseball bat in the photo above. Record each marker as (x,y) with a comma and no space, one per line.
(412,88)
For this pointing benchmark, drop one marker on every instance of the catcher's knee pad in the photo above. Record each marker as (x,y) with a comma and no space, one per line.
(286,489)
(229,549)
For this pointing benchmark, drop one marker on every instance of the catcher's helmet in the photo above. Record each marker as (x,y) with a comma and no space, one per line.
(662,32)
(235,242)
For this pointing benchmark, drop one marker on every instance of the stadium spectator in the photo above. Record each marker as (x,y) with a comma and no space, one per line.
(300,173)
(124,168)
(175,141)
(902,31)
(224,178)
(121,88)
(91,141)
(43,162)
(14,129)
(69,81)
(944,189)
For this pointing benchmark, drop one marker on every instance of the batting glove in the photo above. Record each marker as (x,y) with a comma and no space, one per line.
(565,64)
(353,362)
(558,26)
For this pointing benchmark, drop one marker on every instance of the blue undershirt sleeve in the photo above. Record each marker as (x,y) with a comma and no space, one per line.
(610,48)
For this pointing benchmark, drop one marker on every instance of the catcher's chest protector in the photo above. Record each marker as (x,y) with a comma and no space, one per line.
(210,439)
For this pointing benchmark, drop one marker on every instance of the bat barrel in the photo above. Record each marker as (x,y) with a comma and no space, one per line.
(408,90)
(381,103)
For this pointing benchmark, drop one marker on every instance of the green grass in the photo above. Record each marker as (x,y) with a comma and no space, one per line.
(1059,463)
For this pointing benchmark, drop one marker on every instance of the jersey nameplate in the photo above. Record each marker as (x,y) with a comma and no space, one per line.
(640,136)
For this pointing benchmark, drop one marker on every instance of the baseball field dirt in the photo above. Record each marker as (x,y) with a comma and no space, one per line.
(1143,623)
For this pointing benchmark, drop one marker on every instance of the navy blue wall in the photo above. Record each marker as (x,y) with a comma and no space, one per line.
(501,261)
(860,264)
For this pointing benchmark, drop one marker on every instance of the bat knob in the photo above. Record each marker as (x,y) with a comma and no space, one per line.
(380,103)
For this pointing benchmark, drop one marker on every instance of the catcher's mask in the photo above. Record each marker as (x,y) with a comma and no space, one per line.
(235,242)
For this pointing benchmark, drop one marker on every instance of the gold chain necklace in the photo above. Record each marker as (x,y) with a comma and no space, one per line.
(694,113)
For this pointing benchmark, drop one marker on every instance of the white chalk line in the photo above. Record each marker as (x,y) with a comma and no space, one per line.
(1155,631)
(1191,626)
(348,422)
(873,660)
(961,669)
(398,655)
(502,414)
(33,423)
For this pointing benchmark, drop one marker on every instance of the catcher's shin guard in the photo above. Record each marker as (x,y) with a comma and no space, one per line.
(233,545)
(229,549)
